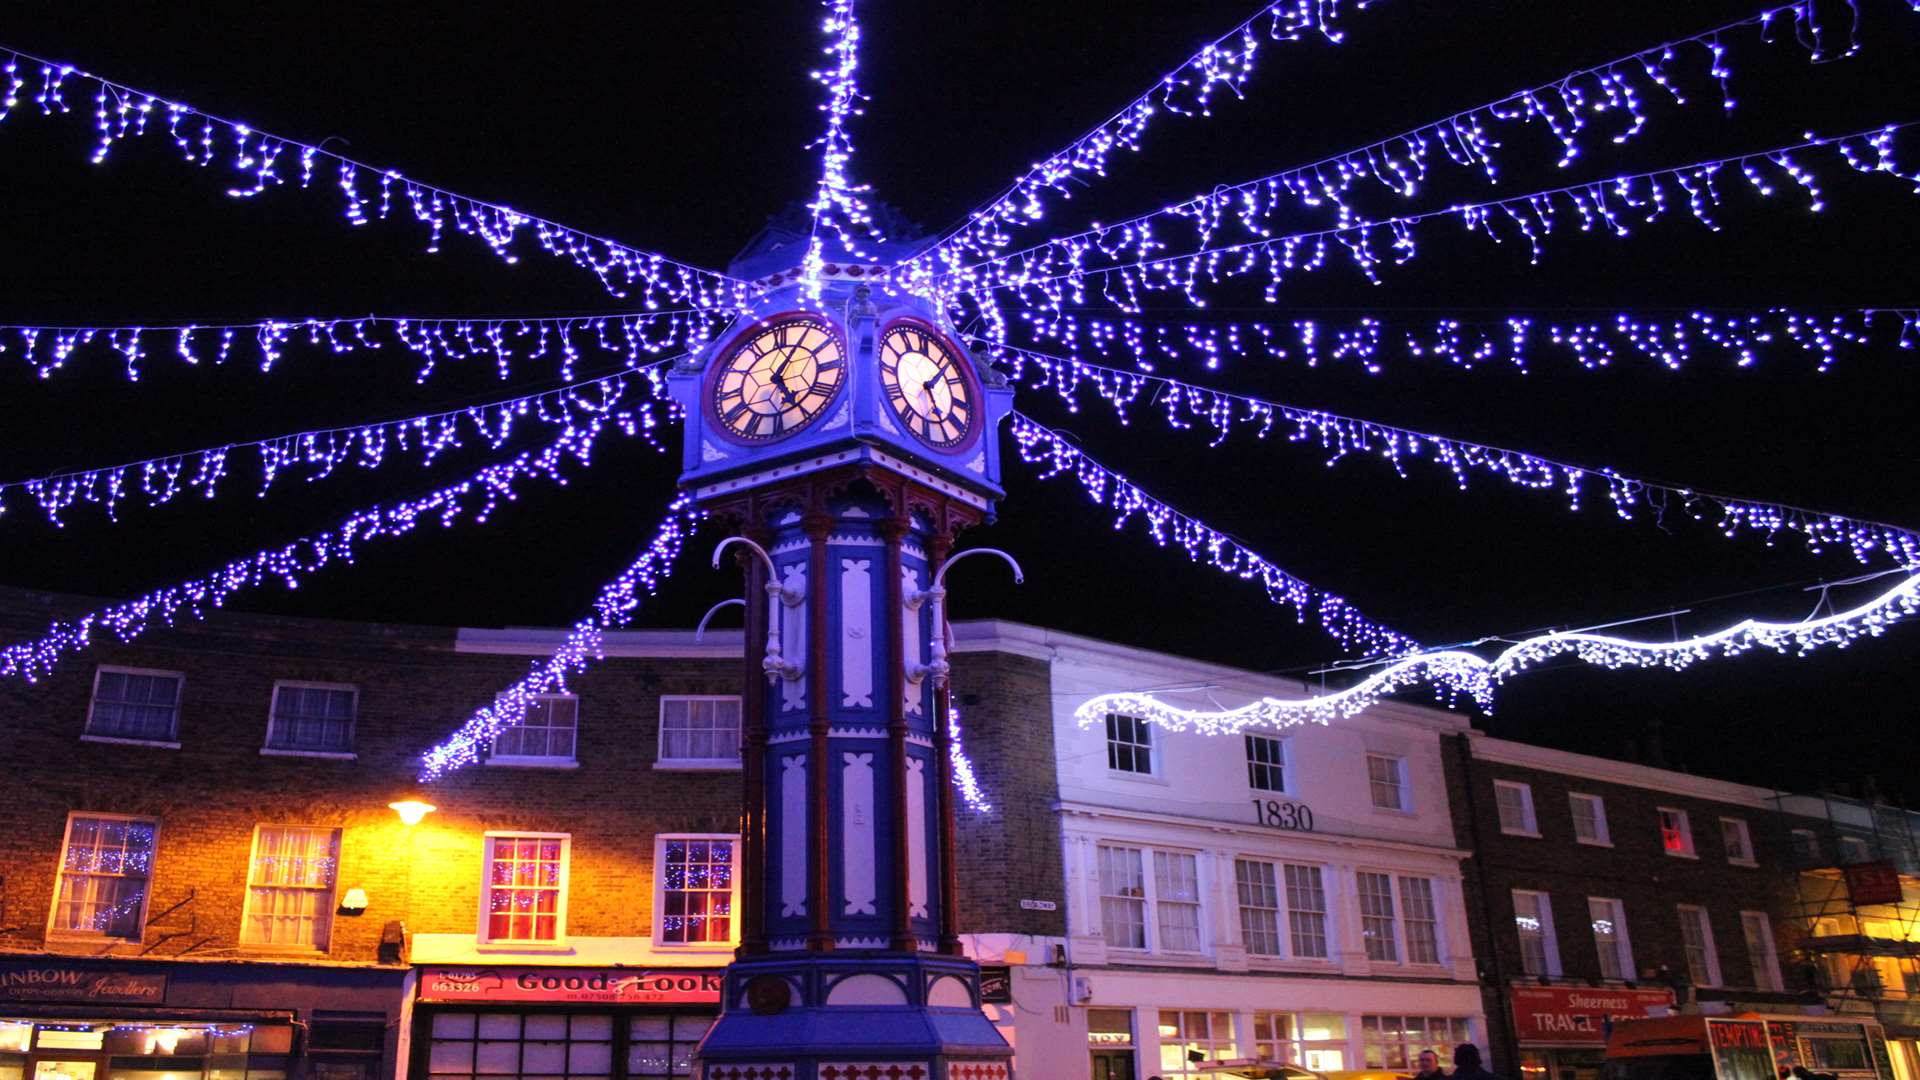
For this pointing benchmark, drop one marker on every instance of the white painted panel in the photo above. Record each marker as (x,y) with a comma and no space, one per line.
(856,833)
(793,639)
(909,642)
(866,990)
(916,838)
(793,835)
(856,633)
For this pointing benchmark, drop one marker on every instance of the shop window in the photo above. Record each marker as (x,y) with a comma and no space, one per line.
(1395,1042)
(1738,841)
(1266,763)
(1386,781)
(1696,940)
(1376,917)
(346,1046)
(312,717)
(545,735)
(1676,833)
(503,1046)
(1188,1040)
(1317,1041)
(1764,960)
(1306,912)
(700,732)
(524,896)
(1129,744)
(105,865)
(1533,921)
(661,1046)
(1589,818)
(135,703)
(694,905)
(1110,1028)
(1515,802)
(290,881)
(1609,920)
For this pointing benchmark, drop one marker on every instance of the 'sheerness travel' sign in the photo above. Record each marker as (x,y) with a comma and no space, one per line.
(616,985)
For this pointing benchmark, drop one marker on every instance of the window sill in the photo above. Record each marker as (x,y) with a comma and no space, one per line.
(698,765)
(532,948)
(1137,777)
(294,952)
(324,755)
(1396,811)
(711,948)
(115,740)
(1683,855)
(1747,863)
(81,937)
(1593,843)
(509,762)
(1530,834)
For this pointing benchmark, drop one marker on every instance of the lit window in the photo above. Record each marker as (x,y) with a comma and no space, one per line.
(547,734)
(1123,896)
(700,731)
(659,1045)
(311,716)
(1589,818)
(1420,921)
(1739,843)
(1696,940)
(1385,779)
(1129,744)
(1676,834)
(1395,1042)
(1317,1041)
(1761,955)
(1266,763)
(290,887)
(1188,1040)
(524,897)
(133,703)
(1259,895)
(1515,802)
(1609,918)
(1176,887)
(696,889)
(1306,912)
(1376,917)
(1533,920)
(105,865)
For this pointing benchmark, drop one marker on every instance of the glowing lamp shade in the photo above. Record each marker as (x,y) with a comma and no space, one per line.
(355,901)
(411,810)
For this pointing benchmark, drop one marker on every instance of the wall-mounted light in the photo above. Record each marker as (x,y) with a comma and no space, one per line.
(411,810)
(354,903)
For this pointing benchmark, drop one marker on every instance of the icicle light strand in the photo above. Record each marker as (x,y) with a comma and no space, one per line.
(318,455)
(1055,456)
(616,605)
(434,340)
(1188,90)
(1471,342)
(1457,671)
(254,162)
(837,203)
(1056,280)
(473,499)
(1573,110)
(1184,405)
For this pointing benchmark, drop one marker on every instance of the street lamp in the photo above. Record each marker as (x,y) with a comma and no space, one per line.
(411,810)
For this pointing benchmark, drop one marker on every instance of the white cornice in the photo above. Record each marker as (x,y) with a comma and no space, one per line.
(1093,811)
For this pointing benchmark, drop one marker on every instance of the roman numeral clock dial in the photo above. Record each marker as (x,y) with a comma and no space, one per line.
(779,379)
(926,386)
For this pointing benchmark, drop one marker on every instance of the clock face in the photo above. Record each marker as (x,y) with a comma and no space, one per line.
(926,386)
(779,379)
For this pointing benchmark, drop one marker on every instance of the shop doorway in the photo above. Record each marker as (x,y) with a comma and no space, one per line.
(63,1069)
(1107,1065)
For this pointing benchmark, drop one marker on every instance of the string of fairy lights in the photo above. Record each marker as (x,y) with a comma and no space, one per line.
(1093,313)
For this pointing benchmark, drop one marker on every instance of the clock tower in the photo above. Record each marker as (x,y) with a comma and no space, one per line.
(848,438)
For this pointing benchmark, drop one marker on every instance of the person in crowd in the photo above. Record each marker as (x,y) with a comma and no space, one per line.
(1466,1064)
(1429,1067)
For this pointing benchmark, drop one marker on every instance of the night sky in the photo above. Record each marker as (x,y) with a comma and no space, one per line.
(681,127)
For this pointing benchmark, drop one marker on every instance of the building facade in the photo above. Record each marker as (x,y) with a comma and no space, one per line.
(1605,888)
(1280,896)
(217,863)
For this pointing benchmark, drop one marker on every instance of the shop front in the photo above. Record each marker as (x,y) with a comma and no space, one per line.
(560,1023)
(1562,1030)
(75,1019)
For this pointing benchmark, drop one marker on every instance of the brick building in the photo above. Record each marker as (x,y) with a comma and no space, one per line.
(201,875)
(1603,887)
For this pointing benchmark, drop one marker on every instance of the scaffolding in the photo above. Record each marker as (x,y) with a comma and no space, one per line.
(1863,958)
